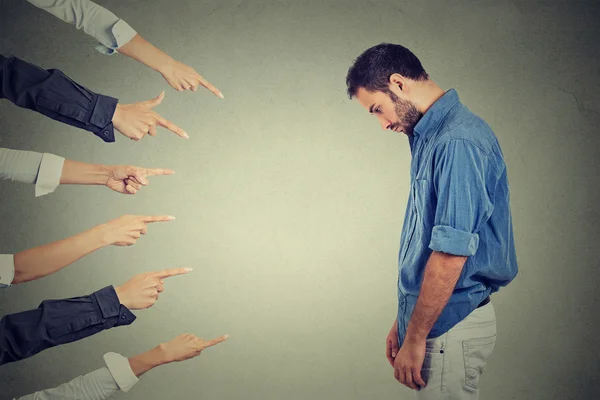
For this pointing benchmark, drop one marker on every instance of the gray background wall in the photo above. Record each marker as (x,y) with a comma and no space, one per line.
(289,198)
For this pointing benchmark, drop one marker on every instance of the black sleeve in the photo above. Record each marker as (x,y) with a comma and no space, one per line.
(52,93)
(57,322)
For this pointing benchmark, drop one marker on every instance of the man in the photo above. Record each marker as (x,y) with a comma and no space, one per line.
(457,243)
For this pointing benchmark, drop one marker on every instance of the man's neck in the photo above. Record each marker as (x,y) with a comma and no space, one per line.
(427,94)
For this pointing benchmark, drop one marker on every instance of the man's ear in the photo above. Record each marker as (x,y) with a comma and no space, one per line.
(397,81)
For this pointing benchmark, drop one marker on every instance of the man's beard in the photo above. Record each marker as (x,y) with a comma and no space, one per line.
(407,114)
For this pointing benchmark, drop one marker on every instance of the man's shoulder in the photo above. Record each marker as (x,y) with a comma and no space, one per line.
(463,124)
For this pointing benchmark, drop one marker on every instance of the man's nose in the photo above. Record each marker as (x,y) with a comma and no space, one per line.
(385,124)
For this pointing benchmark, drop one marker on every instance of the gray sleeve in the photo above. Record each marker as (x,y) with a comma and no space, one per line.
(42,169)
(109,30)
(97,385)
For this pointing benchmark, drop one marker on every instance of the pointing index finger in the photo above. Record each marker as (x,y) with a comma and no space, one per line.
(210,87)
(172,272)
(171,126)
(159,171)
(157,218)
(213,342)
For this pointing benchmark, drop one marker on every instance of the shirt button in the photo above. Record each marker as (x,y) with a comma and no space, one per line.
(123,316)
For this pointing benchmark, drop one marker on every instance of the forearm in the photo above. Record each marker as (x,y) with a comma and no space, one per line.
(80,173)
(44,260)
(145,52)
(144,362)
(441,274)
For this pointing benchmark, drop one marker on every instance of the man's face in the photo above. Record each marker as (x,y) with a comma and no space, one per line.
(393,112)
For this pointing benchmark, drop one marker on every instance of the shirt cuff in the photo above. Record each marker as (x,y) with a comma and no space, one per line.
(7,270)
(121,371)
(446,239)
(49,174)
(110,307)
(101,117)
(121,33)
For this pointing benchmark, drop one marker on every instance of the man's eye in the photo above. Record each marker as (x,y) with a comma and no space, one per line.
(377,110)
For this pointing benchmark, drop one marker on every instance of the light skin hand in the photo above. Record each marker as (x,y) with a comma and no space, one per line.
(391,343)
(183,77)
(183,347)
(178,75)
(138,119)
(126,230)
(127,179)
(408,364)
(187,346)
(142,290)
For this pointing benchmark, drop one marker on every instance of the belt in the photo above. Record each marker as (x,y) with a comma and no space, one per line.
(484,302)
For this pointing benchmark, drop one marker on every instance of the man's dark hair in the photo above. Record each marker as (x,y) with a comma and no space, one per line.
(373,68)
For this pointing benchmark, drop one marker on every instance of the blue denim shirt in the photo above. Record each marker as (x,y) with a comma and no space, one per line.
(458,204)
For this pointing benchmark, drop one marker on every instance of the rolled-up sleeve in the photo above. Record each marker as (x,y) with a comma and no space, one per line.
(463,201)
(121,371)
(55,95)
(7,270)
(49,174)
(56,322)
(96,385)
(42,169)
(109,30)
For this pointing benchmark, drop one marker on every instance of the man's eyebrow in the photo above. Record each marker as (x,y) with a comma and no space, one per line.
(371,108)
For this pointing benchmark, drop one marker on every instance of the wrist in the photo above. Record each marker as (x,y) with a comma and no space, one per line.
(122,297)
(99,236)
(117,114)
(144,362)
(415,337)
(164,63)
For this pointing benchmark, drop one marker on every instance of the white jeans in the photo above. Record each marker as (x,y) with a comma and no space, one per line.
(455,361)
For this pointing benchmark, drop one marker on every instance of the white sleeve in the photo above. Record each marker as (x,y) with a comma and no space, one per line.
(98,22)
(97,385)
(7,270)
(43,169)
(48,177)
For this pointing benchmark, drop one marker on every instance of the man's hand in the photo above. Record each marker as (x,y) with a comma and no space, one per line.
(408,364)
(391,343)
(126,230)
(142,290)
(183,77)
(186,346)
(138,119)
(127,179)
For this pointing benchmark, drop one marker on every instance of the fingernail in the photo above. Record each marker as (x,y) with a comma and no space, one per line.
(393,354)
(171,217)
(185,135)
(189,269)
(226,336)
(221,95)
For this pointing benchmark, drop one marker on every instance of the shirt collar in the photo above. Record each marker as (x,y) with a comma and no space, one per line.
(436,114)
